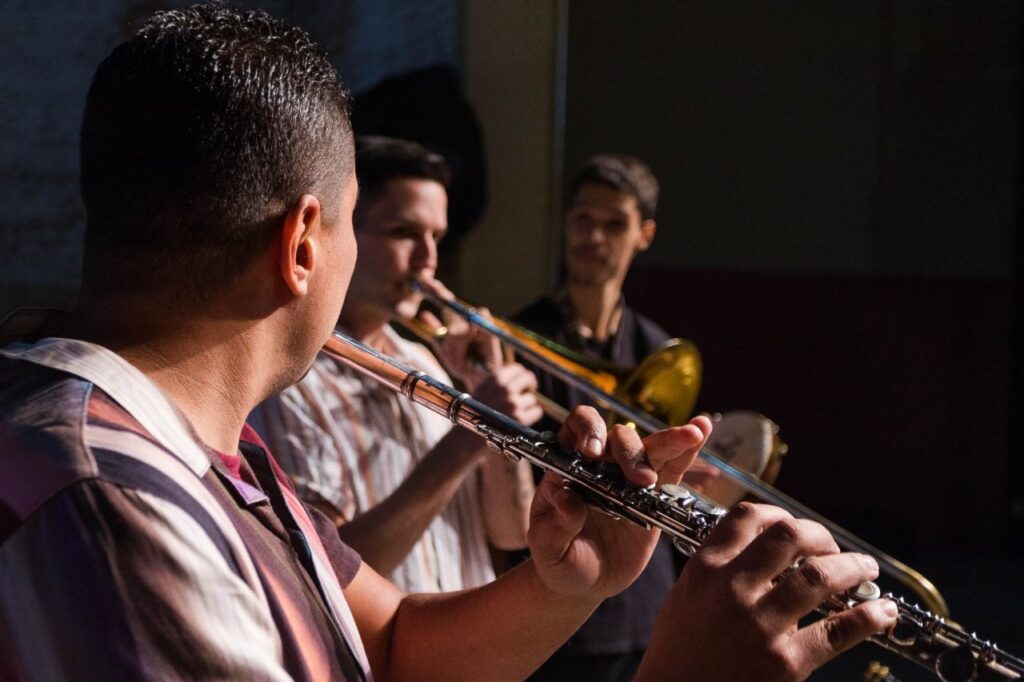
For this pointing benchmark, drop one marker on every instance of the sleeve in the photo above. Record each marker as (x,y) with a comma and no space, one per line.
(303,447)
(108,583)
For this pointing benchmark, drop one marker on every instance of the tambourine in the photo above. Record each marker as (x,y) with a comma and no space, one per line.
(747,440)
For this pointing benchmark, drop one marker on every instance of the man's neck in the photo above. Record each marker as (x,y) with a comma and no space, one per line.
(210,368)
(597,308)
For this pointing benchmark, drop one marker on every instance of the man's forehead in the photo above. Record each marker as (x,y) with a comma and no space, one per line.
(412,199)
(414,192)
(603,197)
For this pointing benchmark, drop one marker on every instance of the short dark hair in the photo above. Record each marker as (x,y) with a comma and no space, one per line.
(199,133)
(380,159)
(623,173)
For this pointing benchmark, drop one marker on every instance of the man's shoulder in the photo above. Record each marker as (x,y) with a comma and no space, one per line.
(650,331)
(42,414)
(41,406)
(48,426)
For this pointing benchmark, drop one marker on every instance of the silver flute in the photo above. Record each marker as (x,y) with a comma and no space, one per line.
(949,651)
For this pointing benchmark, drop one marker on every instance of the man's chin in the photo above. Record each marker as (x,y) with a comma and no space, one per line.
(587,278)
(291,374)
(407,307)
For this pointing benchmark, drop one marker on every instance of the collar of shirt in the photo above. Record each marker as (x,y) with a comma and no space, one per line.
(229,469)
(615,348)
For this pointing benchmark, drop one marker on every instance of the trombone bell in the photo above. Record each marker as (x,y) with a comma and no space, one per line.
(666,383)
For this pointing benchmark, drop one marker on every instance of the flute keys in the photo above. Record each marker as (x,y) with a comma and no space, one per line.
(866,591)
(677,492)
(710,509)
(679,495)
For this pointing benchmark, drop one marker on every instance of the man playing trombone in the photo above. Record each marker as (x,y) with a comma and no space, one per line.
(609,218)
(145,531)
(421,501)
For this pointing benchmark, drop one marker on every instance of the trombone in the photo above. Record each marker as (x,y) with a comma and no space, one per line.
(650,423)
(665,384)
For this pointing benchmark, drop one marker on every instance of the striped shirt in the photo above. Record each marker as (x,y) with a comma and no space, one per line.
(348,443)
(128,551)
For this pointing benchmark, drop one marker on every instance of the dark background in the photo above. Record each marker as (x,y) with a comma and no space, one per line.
(837,233)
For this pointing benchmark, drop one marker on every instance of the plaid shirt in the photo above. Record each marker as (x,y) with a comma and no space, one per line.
(127,550)
(349,442)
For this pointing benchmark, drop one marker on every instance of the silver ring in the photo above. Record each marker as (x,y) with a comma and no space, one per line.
(455,406)
(408,387)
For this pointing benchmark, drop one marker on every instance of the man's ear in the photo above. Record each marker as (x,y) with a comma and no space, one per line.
(647,230)
(300,245)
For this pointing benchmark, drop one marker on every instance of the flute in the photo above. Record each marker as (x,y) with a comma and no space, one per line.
(918,635)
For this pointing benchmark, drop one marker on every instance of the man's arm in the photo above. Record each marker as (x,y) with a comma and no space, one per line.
(385,534)
(501,631)
(507,488)
(475,357)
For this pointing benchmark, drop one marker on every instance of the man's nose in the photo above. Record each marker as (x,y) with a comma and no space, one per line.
(595,233)
(424,256)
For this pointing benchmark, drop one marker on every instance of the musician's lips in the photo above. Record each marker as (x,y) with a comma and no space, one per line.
(402,292)
(408,287)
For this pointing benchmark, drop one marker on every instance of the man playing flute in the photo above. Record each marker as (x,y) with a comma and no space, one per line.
(146,533)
